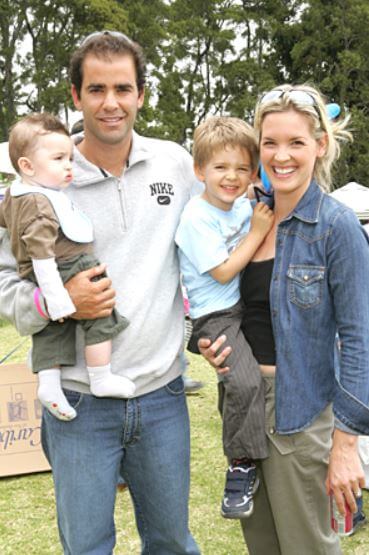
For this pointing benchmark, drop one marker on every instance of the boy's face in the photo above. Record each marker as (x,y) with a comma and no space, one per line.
(50,163)
(226,176)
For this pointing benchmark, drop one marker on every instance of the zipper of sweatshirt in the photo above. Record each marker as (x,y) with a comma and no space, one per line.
(122,204)
(120,195)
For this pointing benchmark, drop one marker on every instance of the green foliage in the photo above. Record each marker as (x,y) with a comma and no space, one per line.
(37,40)
(329,47)
(204,57)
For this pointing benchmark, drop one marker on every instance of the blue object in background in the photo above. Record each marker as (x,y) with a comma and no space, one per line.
(265,180)
(333,110)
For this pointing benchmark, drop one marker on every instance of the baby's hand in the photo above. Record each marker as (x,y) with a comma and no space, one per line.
(262,219)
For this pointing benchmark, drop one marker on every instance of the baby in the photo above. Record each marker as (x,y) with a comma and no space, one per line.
(52,241)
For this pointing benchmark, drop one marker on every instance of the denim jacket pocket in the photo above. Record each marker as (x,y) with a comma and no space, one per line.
(305,285)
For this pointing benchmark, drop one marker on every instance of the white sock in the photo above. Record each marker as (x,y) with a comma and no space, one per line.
(51,395)
(105,384)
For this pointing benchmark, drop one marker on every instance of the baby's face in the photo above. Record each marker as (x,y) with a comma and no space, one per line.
(51,161)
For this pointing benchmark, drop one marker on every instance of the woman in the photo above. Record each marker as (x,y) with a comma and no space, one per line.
(308,280)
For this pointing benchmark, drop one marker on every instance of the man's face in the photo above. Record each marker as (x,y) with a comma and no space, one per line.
(109,98)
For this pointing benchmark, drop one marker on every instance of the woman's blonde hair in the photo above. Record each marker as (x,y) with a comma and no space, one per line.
(316,112)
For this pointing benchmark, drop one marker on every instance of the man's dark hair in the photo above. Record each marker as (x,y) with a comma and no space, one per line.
(105,45)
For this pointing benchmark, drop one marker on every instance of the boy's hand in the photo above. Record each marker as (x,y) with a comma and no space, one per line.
(262,219)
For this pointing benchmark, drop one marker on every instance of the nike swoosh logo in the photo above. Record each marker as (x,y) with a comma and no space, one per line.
(163,199)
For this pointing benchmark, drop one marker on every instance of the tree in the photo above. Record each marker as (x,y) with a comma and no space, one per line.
(38,79)
(11,33)
(196,45)
(204,57)
(329,47)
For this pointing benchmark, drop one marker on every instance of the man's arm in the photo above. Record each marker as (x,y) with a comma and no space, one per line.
(17,296)
(17,305)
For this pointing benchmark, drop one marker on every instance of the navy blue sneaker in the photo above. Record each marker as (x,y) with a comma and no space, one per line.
(241,484)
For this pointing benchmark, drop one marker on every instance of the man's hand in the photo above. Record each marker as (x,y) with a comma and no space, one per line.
(93,299)
(209,351)
(345,473)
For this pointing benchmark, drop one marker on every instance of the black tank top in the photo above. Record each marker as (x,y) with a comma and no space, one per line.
(256,323)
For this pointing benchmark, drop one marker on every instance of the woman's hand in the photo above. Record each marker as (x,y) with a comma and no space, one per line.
(210,351)
(345,473)
(93,299)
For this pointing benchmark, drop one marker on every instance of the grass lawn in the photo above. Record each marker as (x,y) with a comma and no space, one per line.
(27,513)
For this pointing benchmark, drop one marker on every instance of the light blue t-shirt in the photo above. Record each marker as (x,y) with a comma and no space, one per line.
(206,235)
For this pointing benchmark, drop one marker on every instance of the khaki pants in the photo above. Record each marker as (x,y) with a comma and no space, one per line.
(291,509)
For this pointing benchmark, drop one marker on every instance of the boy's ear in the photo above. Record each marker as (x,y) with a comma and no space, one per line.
(199,173)
(25,166)
(254,175)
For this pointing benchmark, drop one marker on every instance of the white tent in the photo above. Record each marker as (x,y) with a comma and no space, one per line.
(5,163)
(355,196)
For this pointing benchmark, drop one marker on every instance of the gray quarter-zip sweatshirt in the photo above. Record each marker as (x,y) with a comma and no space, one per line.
(134,218)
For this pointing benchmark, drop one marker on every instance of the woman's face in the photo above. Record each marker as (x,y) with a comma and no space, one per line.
(288,151)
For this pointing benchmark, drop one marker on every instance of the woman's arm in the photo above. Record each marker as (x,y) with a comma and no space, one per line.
(348,275)
(345,473)
(347,264)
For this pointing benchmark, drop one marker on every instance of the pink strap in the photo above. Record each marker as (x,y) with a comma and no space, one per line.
(36,298)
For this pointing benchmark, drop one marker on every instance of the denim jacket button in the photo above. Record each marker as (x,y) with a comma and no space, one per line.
(306,277)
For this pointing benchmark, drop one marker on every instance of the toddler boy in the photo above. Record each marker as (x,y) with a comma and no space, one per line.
(217,237)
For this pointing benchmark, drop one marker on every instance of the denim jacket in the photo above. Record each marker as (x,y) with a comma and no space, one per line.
(320,286)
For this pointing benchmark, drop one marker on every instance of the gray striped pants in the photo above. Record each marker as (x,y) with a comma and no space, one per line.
(241,391)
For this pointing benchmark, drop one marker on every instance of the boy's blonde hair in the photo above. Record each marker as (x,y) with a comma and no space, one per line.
(220,132)
(320,124)
(24,134)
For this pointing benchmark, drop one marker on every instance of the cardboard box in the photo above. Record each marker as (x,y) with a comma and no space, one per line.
(20,422)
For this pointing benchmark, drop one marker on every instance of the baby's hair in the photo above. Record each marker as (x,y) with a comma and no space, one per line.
(221,132)
(320,124)
(24,134)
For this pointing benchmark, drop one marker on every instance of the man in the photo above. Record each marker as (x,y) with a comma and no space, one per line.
(133,189)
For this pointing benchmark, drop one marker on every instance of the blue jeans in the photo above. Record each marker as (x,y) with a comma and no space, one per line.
(146,440)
